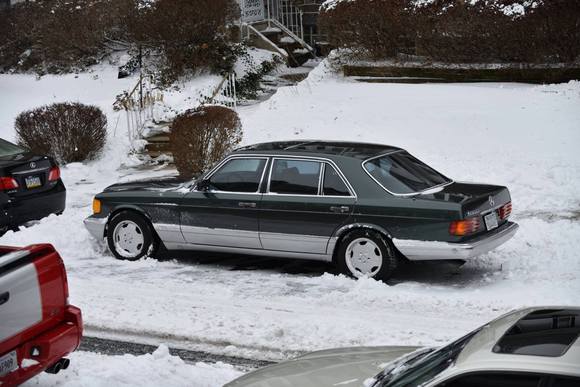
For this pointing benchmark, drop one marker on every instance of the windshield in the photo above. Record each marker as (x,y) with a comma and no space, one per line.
(401,173)
(9,149)
(422,366)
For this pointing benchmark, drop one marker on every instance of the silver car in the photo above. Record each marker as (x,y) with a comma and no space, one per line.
(533,347)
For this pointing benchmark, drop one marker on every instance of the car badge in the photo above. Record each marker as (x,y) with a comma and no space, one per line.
(491,201)
(33,165)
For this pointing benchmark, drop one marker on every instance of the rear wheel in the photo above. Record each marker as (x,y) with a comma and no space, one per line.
(366,253)
(130,236)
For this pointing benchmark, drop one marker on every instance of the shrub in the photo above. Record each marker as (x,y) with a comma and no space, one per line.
(543,31)
(190,35)
(380,28)
(201,137)
(69,132)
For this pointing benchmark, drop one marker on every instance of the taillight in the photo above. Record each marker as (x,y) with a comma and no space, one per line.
(8,183)
(464,227)
(505,211)
(54,174)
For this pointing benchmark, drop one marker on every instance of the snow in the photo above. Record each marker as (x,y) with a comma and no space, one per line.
(157,369)
(522,136)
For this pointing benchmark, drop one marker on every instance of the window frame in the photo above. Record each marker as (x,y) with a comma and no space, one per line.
(451,181)
(217,168)
(323,162)
(274,159)
(342,178)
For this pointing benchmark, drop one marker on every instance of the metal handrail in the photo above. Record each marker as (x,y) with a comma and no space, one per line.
(265,39)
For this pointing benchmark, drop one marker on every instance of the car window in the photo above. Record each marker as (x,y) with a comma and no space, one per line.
(401,173)
(541,333)
(9,149)
(562,381)
(495,379)
(298,177)
(238,175)
(333,184)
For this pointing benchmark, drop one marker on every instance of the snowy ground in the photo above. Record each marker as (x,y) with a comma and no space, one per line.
(156,369)
(523,136)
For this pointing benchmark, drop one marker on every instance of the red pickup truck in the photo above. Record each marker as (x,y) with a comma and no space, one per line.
(37,325)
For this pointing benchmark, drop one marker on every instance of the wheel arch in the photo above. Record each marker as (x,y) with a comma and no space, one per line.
(132,208)
(346,229)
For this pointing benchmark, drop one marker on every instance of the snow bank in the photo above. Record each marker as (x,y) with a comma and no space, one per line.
(156,369)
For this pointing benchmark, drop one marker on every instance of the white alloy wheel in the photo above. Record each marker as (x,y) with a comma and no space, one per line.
(363,258)
(128,239)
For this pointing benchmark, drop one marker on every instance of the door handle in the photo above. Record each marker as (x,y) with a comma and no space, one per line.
(247,204)
(4,297)
(341,209)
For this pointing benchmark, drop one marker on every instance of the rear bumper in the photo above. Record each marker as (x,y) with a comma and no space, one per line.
(96,227)
(52,345)
(21,209)
(416,250)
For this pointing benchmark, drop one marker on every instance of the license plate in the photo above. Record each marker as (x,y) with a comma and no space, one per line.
(490,221)
(8,363)
(33,182)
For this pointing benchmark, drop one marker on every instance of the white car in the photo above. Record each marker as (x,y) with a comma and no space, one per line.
(533,347)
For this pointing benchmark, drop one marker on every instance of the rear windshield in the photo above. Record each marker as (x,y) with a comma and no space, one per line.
(401,173)
(9,149)
(542,333)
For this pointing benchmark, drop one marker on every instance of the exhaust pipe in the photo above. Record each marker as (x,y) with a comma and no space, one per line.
(60,365)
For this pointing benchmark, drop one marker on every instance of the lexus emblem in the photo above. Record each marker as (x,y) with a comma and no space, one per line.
(33,165)
(491,201)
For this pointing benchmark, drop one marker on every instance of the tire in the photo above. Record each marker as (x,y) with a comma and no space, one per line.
(377,257)
(130,236)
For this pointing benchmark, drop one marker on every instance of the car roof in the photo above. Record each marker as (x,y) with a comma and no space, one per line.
(357,150)
(479,355)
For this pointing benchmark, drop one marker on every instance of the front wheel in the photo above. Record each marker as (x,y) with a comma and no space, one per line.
(130,236)
(366,253)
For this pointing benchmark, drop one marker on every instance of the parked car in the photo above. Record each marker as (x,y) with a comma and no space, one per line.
(363,206)
(38,327)
(30,187)
(534,347)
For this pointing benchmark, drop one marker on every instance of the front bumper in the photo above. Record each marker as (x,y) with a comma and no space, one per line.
(96,227)
(51,346)
(416,250)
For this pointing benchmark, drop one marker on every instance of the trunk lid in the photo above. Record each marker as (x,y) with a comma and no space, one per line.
(475,199)
(30,172)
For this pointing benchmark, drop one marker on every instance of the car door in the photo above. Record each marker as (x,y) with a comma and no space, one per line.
(225,213)
(305,202)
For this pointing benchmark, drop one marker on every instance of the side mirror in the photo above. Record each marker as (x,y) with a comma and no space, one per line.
(203,185)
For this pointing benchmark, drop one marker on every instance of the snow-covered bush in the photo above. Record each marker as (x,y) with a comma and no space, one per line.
(526,31)
(69,132)
(201,137)
(175,36)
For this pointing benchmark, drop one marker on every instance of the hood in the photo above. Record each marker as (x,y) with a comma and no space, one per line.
(344,367)
(154,185)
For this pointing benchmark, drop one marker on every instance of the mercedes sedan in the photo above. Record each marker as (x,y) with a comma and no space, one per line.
(365,207)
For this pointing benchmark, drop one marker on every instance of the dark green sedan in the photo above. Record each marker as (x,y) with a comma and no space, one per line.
(365,207)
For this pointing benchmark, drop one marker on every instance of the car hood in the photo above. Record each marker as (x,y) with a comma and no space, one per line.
(342,367)
(165,184)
